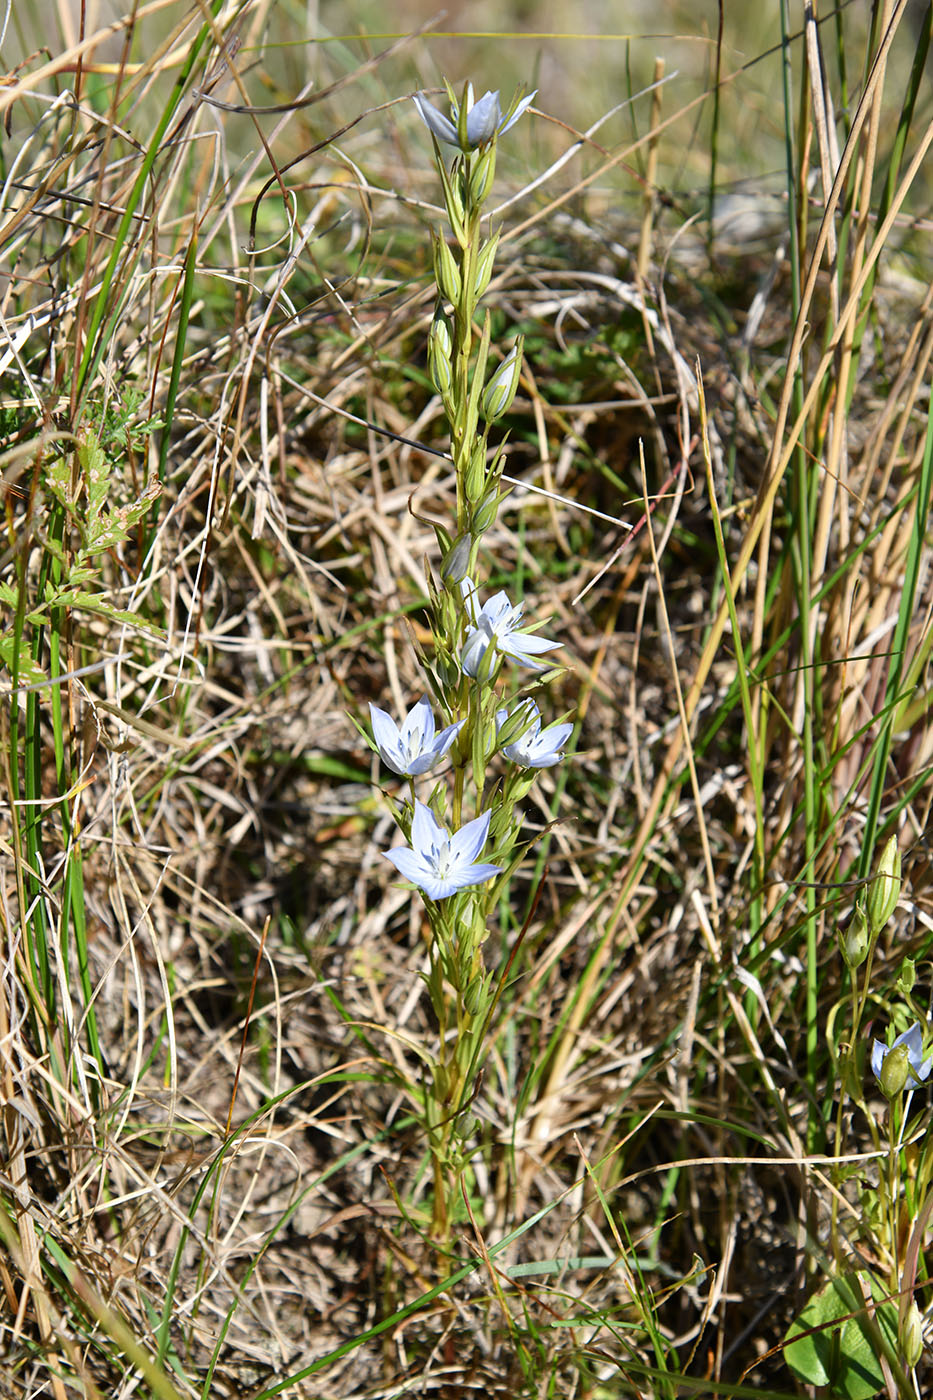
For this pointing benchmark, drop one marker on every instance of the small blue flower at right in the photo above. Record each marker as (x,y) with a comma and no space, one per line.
(901,1065)
(498,625)
(536,747)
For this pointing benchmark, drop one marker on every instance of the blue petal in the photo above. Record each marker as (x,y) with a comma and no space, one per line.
(436,122)
(426,831)
(878,1052)
(419,725)
(519,112)
(387,739)
(525,644)
(410,865)
(475,648)
(483,119)
(466,844)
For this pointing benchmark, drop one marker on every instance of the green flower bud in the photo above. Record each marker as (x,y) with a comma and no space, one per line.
(885,888)
(501,389)
(475,478)
(484,516)
(854,940)
(456,563)
(895,1071)
(484,265)
(906,977)
(448,672)
(440,350)
(482,176)
(446,271)
(449,619)
(912,1335)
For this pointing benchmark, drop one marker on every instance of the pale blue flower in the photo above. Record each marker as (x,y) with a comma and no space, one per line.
(438,862)
(413,748)
(484,119)
(537,747)
(497,624)
(918,1068)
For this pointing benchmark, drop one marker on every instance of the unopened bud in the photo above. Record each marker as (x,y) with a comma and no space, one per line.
(484,517)
(484,263)
(474,997)
(456,564)
(854,940)
(482,175)
(895,1071)
(501,389)
(906,977)
(446,271)
(475,476)
(885,889)
(439,354)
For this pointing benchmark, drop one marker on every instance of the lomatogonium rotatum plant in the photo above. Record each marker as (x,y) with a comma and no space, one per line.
(460,834)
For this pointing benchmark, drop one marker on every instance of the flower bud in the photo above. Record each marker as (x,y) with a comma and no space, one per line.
(854,940)
(456,563)
(500,391)
(895,1071)
(446,271)
(484,516)
(448,672)
(475,477)
(912,1335)
(484,263)
(440,350)
(885,889)
(906,977)
(482,176)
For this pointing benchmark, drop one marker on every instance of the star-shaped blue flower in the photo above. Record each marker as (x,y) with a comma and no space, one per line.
(441,863)
(537,747)
(413,748)
(484,119)
(498,625)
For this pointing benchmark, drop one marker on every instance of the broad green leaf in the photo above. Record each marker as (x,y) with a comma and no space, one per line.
(831,1342)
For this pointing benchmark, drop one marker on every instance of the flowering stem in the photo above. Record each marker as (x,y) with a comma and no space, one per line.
(469,646)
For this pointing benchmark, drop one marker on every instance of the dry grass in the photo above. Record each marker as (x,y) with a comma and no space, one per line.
(212,1180)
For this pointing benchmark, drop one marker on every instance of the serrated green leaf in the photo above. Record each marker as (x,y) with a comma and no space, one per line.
(58,479)
(29,672)
(93,603)
(107,531)
(96,470)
